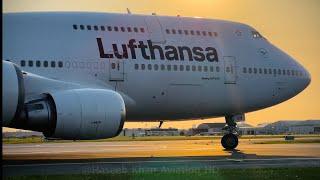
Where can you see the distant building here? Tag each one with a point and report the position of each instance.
(279, 127)
(22, 134)
(133, 132)
(209, 129)
(317, 130)
(292, 127)
(162, 132)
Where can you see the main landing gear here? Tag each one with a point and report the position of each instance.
(230, 140)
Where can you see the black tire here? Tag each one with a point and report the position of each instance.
(229, 141)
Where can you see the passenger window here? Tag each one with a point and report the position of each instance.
(149, 66)
(109, 28)
(274, 72)
(204, 33)
(211, 68)
(45, 63)
(186, 32)
(135, 29)
(255, 70)
(175, 67)
(187, 68)
(136, 66)
(82, 27)
(23, 63)
(279, 71)
(129, 29)
(228, 69)
(180, 31)
(193, 68)
(198, 33)
(163, 67)
(38, 63)
(192, 32)
(167, 31)
(30, 63)
(270, 71)
(156, 67)
(75, 27)
(88, 27)
(102, 28)
(116, 28)
(60, 64)
(96, 28)
(199, 68)
(292, 72)
(218, 69)
(244, 70)
(265, 71)
(260, 71)
(205, 68)
(210, 34)
(215, 34)
(284, 72)
(173, 31)
(123, 29)
(250, 70)
(181, 67)
(53, 64)
(142, 30)
(143, 66)
(169, 67)
(288, 72)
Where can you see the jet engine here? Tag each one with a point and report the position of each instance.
(66, 114)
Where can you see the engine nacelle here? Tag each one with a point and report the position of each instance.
(88, 114)
(12, 92)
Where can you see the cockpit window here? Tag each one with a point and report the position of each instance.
(256, 35)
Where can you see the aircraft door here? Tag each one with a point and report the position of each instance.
(230, 71)
(155, 29)
(116, 70)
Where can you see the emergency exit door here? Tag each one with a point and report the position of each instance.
(230, 70)
(116, 70)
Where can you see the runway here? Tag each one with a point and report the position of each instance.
(174, 148)
(95, 157)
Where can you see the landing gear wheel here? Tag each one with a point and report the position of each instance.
(229, 141)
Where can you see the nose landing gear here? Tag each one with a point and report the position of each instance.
(230, 140)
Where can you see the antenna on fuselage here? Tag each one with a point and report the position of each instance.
(128, 10)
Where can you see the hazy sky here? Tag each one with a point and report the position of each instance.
(292, 25)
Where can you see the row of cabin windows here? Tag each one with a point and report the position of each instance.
(272, 71)
(169, 67)
(192, 32)
(31, 63)
(109, 28)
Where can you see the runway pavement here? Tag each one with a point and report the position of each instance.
(93, 157)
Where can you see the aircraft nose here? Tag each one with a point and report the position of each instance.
(307, 79)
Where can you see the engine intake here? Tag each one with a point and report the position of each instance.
(12, 93)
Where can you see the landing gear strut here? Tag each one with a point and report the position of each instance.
(230, 140)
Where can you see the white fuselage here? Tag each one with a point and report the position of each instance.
(231, 69)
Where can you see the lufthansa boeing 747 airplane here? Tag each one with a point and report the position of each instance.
(82, 75)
